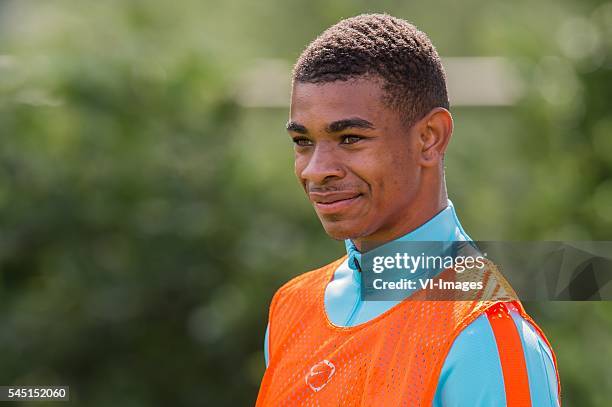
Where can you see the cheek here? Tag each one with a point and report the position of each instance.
(299, 163)
(380, 176)
(396, 178)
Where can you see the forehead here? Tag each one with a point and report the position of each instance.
(329, 101)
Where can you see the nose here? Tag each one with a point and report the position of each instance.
(322, 165)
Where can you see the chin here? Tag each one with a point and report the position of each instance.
(341, 230)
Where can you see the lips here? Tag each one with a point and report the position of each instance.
(331, 197)
(331, 202)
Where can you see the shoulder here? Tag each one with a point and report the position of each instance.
(494, 355)
(296, 299)
(304, 282)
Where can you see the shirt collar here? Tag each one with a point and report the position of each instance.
(444, 226)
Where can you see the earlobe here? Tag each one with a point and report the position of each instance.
(429, 155)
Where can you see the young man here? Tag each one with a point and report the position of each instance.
(370, 122)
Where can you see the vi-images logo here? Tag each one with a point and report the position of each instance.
(320, 374)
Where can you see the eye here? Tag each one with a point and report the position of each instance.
(350, 139)
(302, 141)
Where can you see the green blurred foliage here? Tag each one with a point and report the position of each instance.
(147, 217)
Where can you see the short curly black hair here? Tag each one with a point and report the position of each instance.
(384, 46)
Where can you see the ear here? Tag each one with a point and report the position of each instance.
(434, 133)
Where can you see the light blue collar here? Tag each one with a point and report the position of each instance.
(443, 227)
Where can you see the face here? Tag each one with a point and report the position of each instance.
(355, 159)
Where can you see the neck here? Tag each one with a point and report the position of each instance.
(425, 206)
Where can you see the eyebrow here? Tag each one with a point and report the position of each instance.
(295, 127)
(334, 127)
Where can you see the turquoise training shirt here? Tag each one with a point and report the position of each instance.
(472, 373)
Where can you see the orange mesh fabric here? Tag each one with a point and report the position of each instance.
(392, 360)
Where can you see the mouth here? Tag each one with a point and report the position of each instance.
(326, 204)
